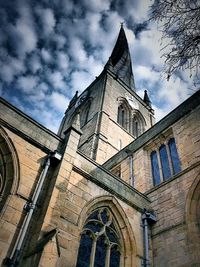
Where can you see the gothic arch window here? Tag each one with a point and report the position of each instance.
(130, 118)
(176, 167)
(155, 168)
(135, 127)
(124, 114)
(8, 168)
(100, 243)
(84, 115)
(165, 161)
(138, 124)
(121, 116)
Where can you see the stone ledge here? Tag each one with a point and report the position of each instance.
(30, 130)
(95, 173)
(178, 175)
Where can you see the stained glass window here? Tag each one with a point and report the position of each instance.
(114, 257)
(174, 156)
(164, 162)
(85, 250)
(99, 244)
(155, 168)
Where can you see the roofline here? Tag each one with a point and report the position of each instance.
(184, 108)
(21, 113)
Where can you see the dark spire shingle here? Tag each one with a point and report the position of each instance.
(121, 60)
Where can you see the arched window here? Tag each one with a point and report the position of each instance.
(155, 168)
(85, 114)
(8, 168)
(164, 162)
(130, 118)
(174, 156)
(138, 124)
(99, 244)
(135, 127)
(121, 116)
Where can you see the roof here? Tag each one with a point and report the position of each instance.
(120, 60)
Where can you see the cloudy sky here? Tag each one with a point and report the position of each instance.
(51, 48)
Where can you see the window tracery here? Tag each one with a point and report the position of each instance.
(99, 245)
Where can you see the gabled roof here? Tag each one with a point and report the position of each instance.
(120, 60)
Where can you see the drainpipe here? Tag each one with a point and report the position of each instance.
(130, 156)
(30, 207)
(148, 218)
(131, 170)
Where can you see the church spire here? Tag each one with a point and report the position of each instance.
(146, 98)
(121, 60)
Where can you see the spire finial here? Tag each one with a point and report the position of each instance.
(146, 98)
(122, 24)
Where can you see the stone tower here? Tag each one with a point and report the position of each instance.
(111, 113)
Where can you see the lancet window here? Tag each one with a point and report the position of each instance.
(165, 162)
(84, 115)
(122, 116)
(130, 119)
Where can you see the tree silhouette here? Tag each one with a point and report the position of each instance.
(180, 25)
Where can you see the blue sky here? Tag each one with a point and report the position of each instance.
(51, 48)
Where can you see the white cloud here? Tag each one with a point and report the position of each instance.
(80, 80)
(57, 80)
(7, 73)
(60, 40)
(27, 83)
(143, 72)
(58, 101)
(77, 50)
(139, 11)
(173, 91)
(62, 61)
(34, 63)
(46, 55)
(97, 5)
(146, 49)
(47, 20)
(24, 37)
(160, 112)
(12, 68)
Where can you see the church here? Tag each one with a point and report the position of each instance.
(111, 189)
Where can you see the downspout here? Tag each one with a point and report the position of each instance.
(148, 218)
(131, 170)
(30, 207)
(131, 175)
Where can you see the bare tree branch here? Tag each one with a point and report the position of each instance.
(180, 26)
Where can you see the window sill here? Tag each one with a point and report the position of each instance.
(174, 177)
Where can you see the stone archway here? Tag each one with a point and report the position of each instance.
(192, 217)
(9, 168)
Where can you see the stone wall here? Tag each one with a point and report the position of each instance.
(172, 245)
(26, 160)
